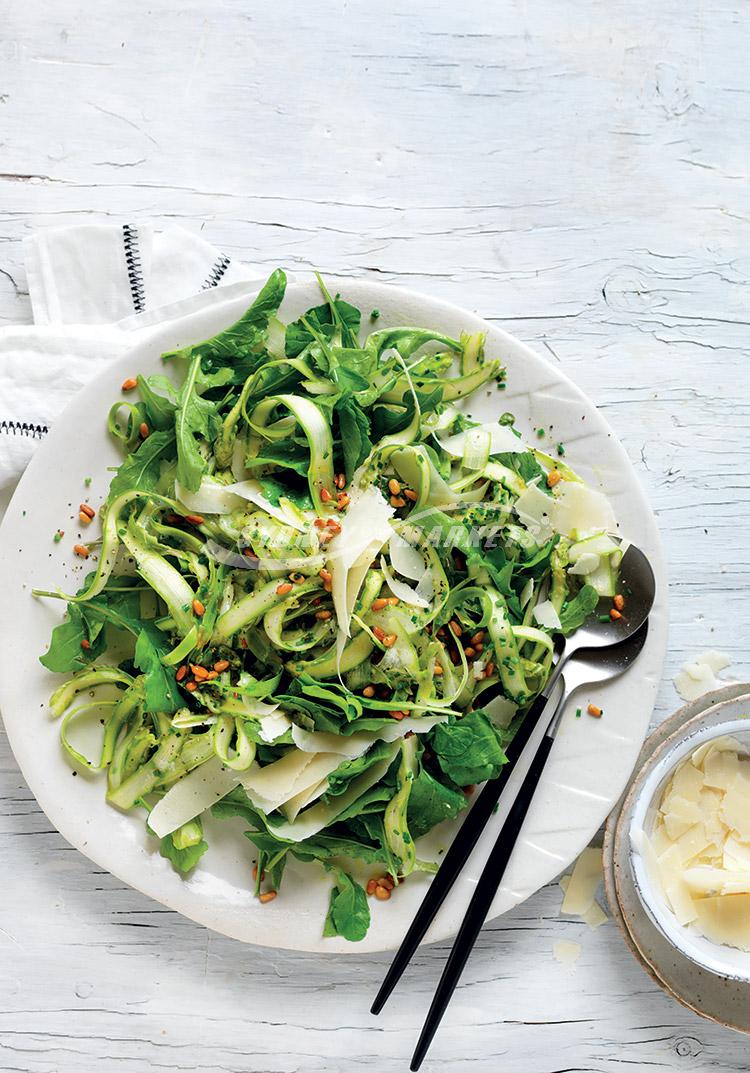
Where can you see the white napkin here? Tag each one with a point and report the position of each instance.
(96, 291)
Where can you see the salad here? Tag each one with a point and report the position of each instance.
(323, 595)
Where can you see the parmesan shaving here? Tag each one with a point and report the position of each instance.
(583, 883)
(566, 952)
(698, 676)
(191, 796)
(698, 851)
(502, 441)
(546, 615)
(365, 528)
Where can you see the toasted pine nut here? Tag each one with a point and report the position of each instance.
(438, 670)
(382, 893)
(181, 672)
(191, 687)
(333, 525)
(320, 523)
(87, 510)
(340, 480)
(328, 586)
(129, 384)
(221, 665)
(595, 711)
(489, 670)
(379, 604)
(323, 615)
(478, 647)
(614, 614)
(387, 882)
(198, 608)
(195, 519)
(368, 691)
(553, 477)
(325, 496)
(325, 536)
(267, 896)
(342, 500)
(619, 602)
(325, 575)
(377, 632)
(470, 652)
(389, 640)
(392, 600)
(455, 627)
(411, 495)
(212, 676)
(255, 873)
(83, 518)
(394, 487)
(397, 715)
(398, 501)
(284, 588)
(296, 579)
(143, 430)
(371, 885)
(85, 643)
(82, 550)
(199, 673)
(478, 637)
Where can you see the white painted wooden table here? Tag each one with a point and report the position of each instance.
(577, 171)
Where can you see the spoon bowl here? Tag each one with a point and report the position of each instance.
(638, 585)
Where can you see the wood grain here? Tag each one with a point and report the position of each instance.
(578, 173)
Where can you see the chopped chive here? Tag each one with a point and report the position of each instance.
(375, 314)
(603, 618)
(87, 481)
(578, 713)
(58, 536)
(560, 450)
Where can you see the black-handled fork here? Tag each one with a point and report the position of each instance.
(595, 635)
(459, 852)
(585, 670)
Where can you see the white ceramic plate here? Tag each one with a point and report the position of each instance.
(591, 761)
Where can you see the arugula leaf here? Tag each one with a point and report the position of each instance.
(158, 409)
(285, 453)
(183, 860)
(65, 652)
(352, 368)
(321, 847)
(431, 802)
(272, 856)
(240, 341)
(339, 780)
(237, 803)
(575, 612)
(161, 693)
(354, 427)
(468, 749)
(524, 464)
(372, 800)
(348, 912)
(142, 468)
(387, 420)
(195, 418)
(275, 491)
(321, 319)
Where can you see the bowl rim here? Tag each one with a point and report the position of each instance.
(639, 800)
